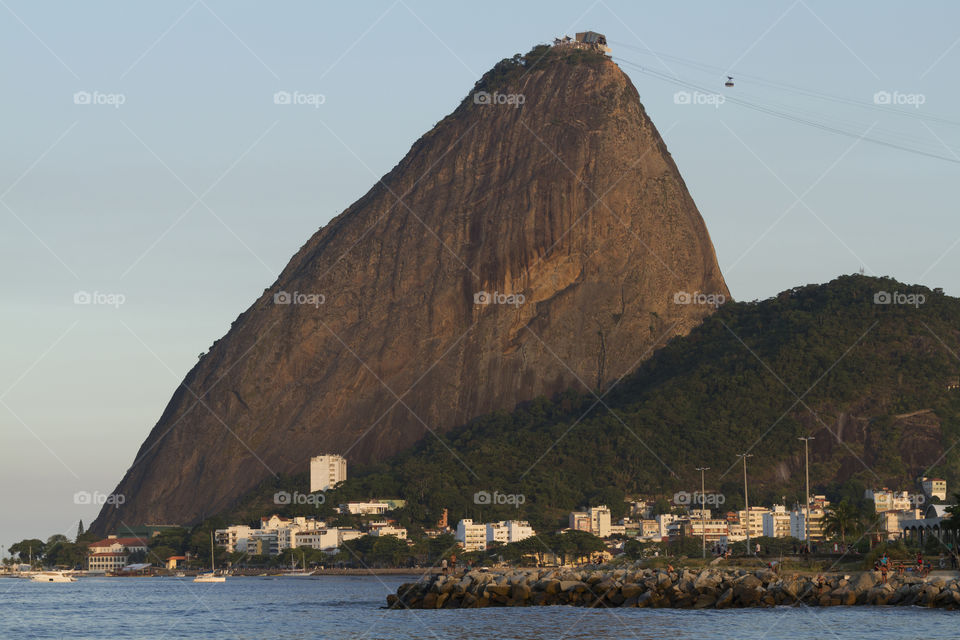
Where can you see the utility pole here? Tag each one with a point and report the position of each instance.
(746, 497)
(806, 500)
(703, 502)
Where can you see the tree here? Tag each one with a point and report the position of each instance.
(661, 506)
(79, 531)
(27, 548)
(841, 519)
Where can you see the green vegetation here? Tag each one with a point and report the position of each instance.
(732, 384)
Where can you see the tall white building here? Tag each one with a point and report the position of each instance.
(600, 521)
(327, 471)
(472, 537)
(776, 522)
(507, 531)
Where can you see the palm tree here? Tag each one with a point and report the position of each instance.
(842, 518)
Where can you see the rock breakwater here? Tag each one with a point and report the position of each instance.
(682, 589)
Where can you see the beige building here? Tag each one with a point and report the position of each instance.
(934, 487)
(717, 529)
(756, 520)
(327, 471)
(600, 521)
(798, 522)
(887, 500)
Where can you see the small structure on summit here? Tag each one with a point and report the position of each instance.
(584, 40)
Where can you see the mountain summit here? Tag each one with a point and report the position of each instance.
(537, 239)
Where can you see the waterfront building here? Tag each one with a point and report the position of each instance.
(507, 531)
(776, 522)
(472, 537)
(716, 529)
(755, 522)
(112, 553)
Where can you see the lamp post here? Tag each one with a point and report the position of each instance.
(703, 521)
(806, 517)
(746, 496)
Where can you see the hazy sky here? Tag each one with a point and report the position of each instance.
(181, 189)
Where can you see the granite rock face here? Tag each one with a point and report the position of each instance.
(567, 210)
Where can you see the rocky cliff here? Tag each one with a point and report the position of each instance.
(533, 241)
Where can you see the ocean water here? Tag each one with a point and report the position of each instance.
(351, 607)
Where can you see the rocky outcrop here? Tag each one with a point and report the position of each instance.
(568, 212)
(683, 589)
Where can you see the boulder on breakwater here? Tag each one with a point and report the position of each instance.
(708, 588)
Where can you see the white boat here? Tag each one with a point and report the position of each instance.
(293, 572)
(212, 575)
(209, 577)
(52, 576)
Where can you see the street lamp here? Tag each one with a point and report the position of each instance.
(746, 496)
(806, 517)
(703, 501)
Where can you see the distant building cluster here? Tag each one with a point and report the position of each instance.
(473, 536)
(277, 534)
(590, 40)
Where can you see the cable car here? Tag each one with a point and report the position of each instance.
(729, 82)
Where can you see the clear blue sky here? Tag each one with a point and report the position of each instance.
(188, 198)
